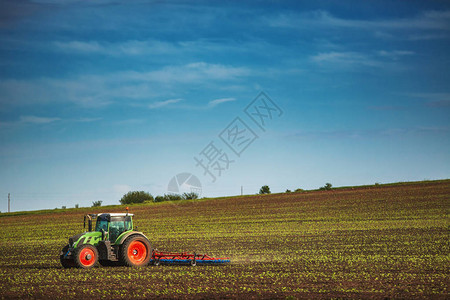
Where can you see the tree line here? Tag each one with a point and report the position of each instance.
(141, 196)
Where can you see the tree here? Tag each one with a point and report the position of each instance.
(326, 187)
(264, 189)
(97, 203)
(191, 195)
(77, 206)
(158, 199)
(299, 190)
(136, 197)
(175, 197)
(172, 197)
(288, 191)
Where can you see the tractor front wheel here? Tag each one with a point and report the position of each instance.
(136, 251)
(86, 256)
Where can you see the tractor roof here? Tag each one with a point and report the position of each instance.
(116, 214)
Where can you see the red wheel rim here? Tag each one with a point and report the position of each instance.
(87, 257)
(137, 252)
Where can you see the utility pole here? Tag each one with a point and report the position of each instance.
(9, 202)
(242, 190)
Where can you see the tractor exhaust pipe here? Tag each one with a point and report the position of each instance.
(89, 222)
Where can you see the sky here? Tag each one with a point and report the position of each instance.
(98, 98)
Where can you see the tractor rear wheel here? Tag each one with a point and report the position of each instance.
(66, 263)
(136, 251)
(86, 256)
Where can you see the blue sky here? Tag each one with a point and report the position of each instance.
(104, 97)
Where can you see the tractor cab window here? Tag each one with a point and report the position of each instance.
(117, 226)
(128, 224)
(102, 223)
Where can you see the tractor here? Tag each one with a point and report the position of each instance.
(113, 241)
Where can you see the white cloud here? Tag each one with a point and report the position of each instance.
(159, 104)
(394, 55)
(164, 50)
(130, 122)
(217, 71)
(37, 120)
(198, 72)
(89, 91)
(80, 46)
(216, 102)
(87, 120)
(190, 73)
(439, 20)
(350, 59)
(345, 59)
(131, 47)
(102, 90)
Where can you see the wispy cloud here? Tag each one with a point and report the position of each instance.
(216, 102)
(130, 122)
(37, 120)
(160, 104)
(28, 120)
(131, 47)
(197, 72)
(396, 54)
(80, 46)
(88, 91)
(86, 120)
(342, 59)
(161, 51)
(439, 20)
(351, 59)
(103, 90)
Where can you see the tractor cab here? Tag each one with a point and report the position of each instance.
(111, 225)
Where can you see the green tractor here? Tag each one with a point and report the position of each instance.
(113, 241)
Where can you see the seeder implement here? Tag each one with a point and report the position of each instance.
(160, 257)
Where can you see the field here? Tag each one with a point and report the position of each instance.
(367, 242)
